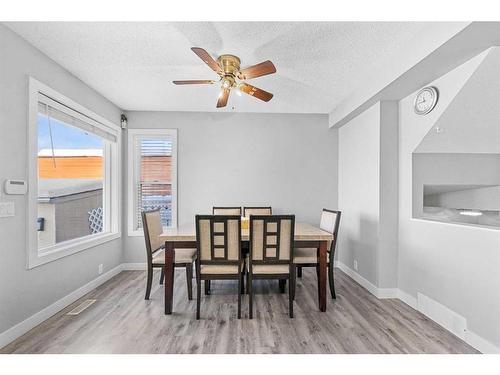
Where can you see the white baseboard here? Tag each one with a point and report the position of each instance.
(384, 293)
(21, 328)
(448, 319)
(134, 266)
(380, 293)
(442, 315)
(408, 299)
(477, 342)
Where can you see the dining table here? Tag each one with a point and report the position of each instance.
(184, 237)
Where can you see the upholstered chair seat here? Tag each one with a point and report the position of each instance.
(307, 256)
(220, 269)
(275, 269)
(182, 256)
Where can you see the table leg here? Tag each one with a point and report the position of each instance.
(169, 276)
(322, 275)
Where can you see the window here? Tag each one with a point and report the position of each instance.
(74, 169)
(152, 176)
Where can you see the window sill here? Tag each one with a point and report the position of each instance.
(68, 248)
(456, 224)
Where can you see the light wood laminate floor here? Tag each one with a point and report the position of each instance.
(121, 321)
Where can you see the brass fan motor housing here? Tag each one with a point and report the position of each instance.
(227, 67)
(230, 64)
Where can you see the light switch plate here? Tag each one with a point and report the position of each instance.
(7, 209)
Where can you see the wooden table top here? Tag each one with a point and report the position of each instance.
(303, 232)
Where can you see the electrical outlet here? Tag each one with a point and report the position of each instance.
(355, 265)
(7, 209)
(100, 268)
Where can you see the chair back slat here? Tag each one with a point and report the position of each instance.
(226, 211)
(271, 239)
(247, 211)
(218, 239)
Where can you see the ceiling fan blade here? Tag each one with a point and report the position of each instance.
(223, 97)
(205, 56)
(255, 91)
(194, 82)
(259, 70)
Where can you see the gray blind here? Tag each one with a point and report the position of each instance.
(68, 116)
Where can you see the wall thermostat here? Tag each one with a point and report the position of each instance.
(16, 187)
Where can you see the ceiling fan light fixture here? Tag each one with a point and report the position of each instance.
(228, 69)
(226, 84)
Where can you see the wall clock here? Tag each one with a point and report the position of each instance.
(426, 100)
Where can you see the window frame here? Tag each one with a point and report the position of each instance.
(111, 201)
(133, 167)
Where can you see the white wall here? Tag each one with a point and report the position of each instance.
(368, 194)
(25, 292)
(470, 123)
(359, 192)
(454, 265)
(288, 161)
(387, 264)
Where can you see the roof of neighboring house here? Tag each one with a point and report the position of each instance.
(55, 187)
(47, 152)
(70, 164)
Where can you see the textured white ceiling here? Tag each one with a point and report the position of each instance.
(133, 63)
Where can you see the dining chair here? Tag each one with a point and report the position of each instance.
(247, 211)
(308, 257)
(226, 211)
(222, 211)
(271, 253)
(155, 252)
(218, 245)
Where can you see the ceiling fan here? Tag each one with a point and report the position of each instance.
(228, 68)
